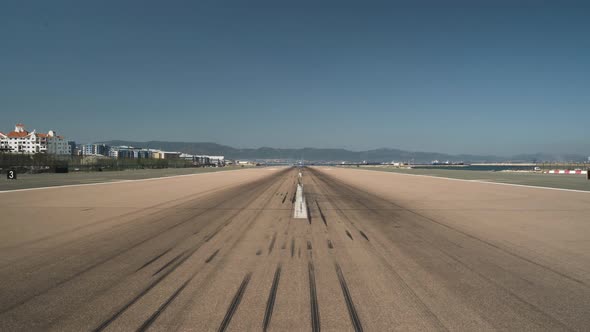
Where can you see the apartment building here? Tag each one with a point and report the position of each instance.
(95, 149)
(22, 141)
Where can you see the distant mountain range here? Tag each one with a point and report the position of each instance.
(319, 154)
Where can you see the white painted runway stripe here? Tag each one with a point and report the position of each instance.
(482, 181)
(300, 209)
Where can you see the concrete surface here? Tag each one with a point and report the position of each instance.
(381, 252)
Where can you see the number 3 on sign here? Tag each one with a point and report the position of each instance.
(11, 175)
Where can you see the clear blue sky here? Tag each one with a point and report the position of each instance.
(464, 77)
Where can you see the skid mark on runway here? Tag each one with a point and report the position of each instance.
(161, 309)
(120, 308)
(321, 213)
(149, 287)
(308, 245)
(354, 318)
(308, 211)
(349, 235)
(272, 243)
(153, 259)
(292, 247)
(231, 310)
(98, 263)
(271, 298)
(169, 263)
(313, 297)
(364, 235)
(499, 248)
(210, 258)
(330, 245)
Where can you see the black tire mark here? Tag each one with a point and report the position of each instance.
(149, 287)
(215, 232)
(457, 260)
(154, 259)
(349, 235)
(210, 258)
(354, 318)
(258, 252)
(284, 198)
(154, 207)
(293, 199)
(272, 243)
(169, 263)
(386, 263)
(500, 248)
(354, 190)
(284, 246)
(201, 212)
(271, 299)
(507, 290)
(231, 310)
(292, 247)
(308, 211)
(313, 297)
(308, 245)
(321, 213)
(330, 245)
(153, 284)
(364, 235)
(163, 307)
(299, 253)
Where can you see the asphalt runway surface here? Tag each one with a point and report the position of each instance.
(221, 252)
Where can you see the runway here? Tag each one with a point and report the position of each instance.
(221, 252)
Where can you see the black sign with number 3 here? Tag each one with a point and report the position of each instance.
(11, 175)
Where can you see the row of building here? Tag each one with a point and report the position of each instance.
(130, 152)
(21, 141)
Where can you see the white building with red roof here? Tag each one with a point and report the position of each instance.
(22, 141)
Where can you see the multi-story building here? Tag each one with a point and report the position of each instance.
(195, 159)
(217, 160)
(129, 152)
(204, 160)
(87, 149)
(101, 149)
(72, 145)
(95, 149)
(21, 141)
(157, 154)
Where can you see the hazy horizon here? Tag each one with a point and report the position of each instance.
(497, 78)
(351, 149)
